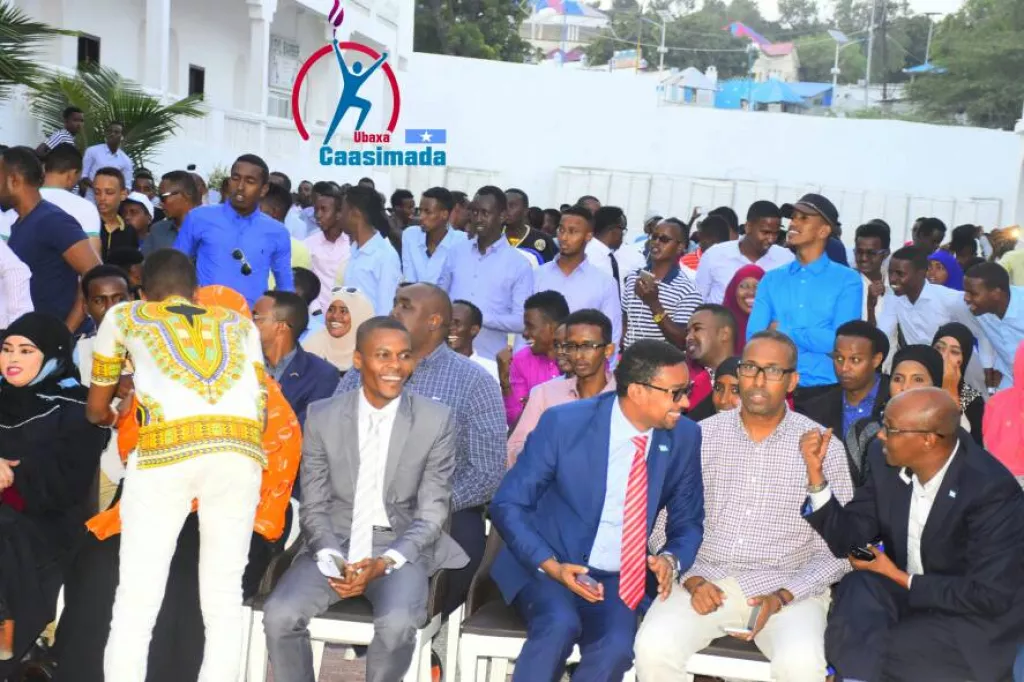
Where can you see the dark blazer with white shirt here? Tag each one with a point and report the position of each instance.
(972, 548)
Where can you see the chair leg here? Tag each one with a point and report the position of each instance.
(412, 674)
(451, 653)
(318, 655)
(499, 670)
(466, 671)
(257, 649)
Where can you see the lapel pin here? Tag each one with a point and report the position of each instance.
(663, 448)
(952, 494)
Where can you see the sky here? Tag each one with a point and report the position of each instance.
(770, 9)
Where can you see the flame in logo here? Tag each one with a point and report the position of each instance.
(337, 15)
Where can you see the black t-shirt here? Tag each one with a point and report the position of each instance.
(40, 240)
(541, 243)
(125, 238)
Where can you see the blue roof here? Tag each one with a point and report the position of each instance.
(774, 91)
(927, 67)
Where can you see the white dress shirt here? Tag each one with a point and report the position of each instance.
(15, 296)
(380, 459)
(490, 365)
(880, 303)
(719, 264)
(629, 259)
(922, 499)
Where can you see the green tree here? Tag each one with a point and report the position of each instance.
(799, 15)
(982, 46)
(105, 96)
(817, 56)
(483, 29)
(20, 40)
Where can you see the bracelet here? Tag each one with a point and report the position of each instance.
(781, 597)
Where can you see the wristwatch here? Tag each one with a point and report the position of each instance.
(812, 489)
(389, 565)
(674, 561)
(658, 318)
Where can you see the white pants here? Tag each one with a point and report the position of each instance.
(793, 639)
(154, 505)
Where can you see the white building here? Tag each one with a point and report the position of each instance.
(241, 54)
(778, 61)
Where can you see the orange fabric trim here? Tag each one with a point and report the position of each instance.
(282, 443)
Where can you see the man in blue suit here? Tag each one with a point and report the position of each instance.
(577, 509)
(281, 317)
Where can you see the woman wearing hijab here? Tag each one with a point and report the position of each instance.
(49, 455)
(176, 651)
(1003, 424)
(913, 366)
(944, 269)
(739, 299)
(337, 342)
(955, 343)
(725, 392)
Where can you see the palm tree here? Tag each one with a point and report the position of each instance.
(20, 39)
(105, 96)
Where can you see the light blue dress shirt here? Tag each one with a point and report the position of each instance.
(210, 235)
(375, 269)
(585, 287)
(417, 266)
(809, 302)
(498, 282)
(1005, 334)
(606, 554)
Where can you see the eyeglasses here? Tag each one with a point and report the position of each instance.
(676, 394)
(893, 431)
(239, 256)
(347, 290)
(166, 195)
(869, 253)
(662, 239)
(571, 348)
(771, 373)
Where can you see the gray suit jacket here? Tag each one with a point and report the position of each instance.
(417, 482)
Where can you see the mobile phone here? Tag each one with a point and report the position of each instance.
(864, 553)
(751, 623)
(340, 563)
(646, 274)
(588, 582)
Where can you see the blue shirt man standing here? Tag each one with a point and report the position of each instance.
(235, 244)
(811, 297)
(373, 266)
(999, 309)
(487, 272)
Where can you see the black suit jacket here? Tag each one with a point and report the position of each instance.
(827, 410)
(972, 548)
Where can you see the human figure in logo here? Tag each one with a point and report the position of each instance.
(352, 80)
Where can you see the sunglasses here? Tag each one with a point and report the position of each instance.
(347, 290)
(676, 394)
(238, 255)
(662, 239)
(167, 195)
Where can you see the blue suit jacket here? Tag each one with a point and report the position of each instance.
(550, 503)
(307, 379)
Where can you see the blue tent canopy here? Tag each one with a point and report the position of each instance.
(774, 91)
(927, 67)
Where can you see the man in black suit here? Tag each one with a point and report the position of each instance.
(937, 602)
(858, 354)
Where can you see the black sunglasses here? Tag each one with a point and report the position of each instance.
(676, 394)
(239, 256)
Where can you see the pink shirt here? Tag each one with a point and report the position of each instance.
(527, 370)
(328, 258)
(555, 392)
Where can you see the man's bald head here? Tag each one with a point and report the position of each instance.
(426, 311)
(920, 430)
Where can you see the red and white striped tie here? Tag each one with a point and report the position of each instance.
(633, 569)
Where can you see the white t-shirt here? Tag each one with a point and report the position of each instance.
(720, 263)
(83, 211)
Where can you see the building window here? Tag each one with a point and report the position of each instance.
(88, 49)
(196, 80)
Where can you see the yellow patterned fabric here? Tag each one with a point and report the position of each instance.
(174, 441)
(106, 371)
(204, 352)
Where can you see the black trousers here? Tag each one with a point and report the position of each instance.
(469, 531)
(874, 636)
(808, 394)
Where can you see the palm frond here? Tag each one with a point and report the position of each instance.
(20, 41)
(105, 96)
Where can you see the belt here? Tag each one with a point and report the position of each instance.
(382, 529)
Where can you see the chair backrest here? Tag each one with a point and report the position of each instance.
(482, 589)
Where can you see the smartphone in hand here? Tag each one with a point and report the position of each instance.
(751, 623)
(588, 582)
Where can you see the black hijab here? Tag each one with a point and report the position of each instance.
(929, 358)
(964, 337)
(57, 378)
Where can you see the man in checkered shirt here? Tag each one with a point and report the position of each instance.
(757, 549)
(74, 119)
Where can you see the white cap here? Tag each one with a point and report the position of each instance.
(140, 198)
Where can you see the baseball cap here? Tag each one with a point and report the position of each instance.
(816, 204)
(142, 200)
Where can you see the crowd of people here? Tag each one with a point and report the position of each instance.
(710, 428)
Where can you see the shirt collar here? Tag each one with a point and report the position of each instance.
(372, 244)
(936, 481)
(621, 425)
(500, 244)
(672, 274)
(366, 409)
(117, 228)
(869, 399)
(285, 361)
(815, 267)
(235, 215)
(599, 246)
(435, 355)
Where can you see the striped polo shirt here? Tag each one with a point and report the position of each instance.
(678, 295)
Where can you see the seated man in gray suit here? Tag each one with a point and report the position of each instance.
(376, 469)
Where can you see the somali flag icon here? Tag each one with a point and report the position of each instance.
(426, 136)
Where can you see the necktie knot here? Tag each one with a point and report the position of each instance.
(640, 442)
